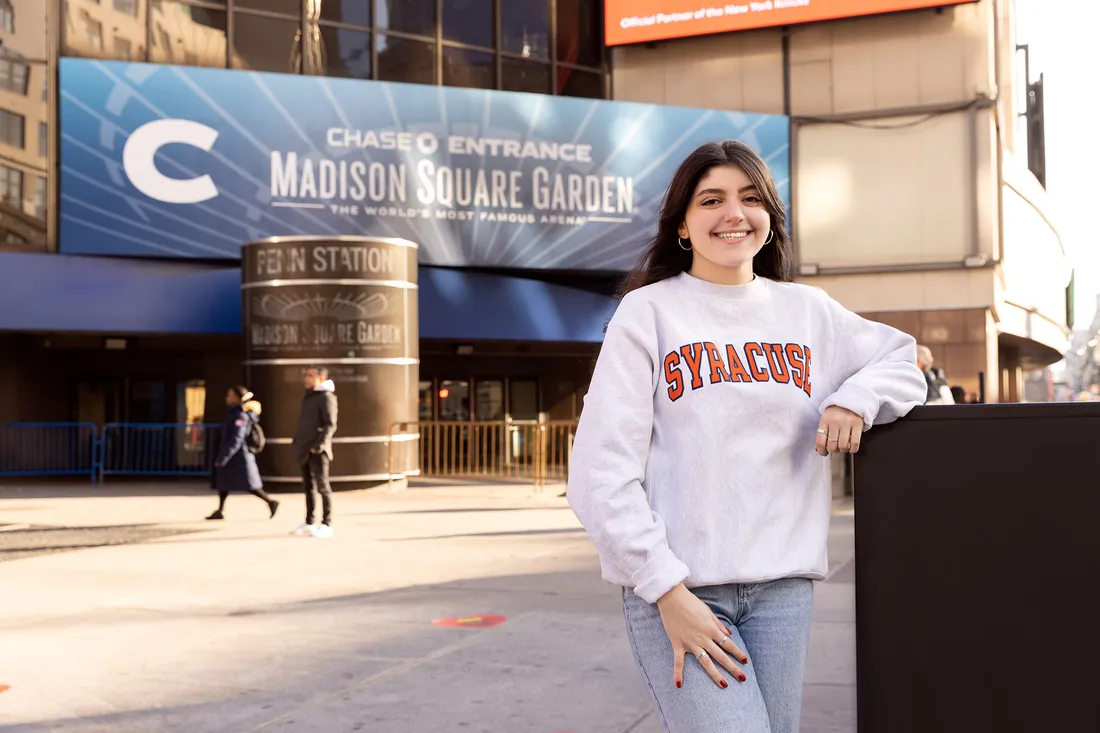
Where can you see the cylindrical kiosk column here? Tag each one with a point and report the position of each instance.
(348, 304)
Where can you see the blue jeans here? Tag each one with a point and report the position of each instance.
(770, 622)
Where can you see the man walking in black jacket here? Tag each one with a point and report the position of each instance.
(313, 446)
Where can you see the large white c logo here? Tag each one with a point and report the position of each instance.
(142, 147)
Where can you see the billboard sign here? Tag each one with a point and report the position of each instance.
(638, 21)
(173, 161)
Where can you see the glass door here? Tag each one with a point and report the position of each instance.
(489, 400)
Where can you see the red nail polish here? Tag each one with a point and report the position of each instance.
(724, 684)
(745, 660)
(741, 677)
(678, 683)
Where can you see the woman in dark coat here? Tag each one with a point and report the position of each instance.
(235, 466)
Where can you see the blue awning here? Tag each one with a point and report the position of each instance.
(455, 304)
(49, 292)
(64, 293)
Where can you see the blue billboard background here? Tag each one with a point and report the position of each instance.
(476, 178)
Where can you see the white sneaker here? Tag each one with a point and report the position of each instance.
(303, 530)
(321, 531)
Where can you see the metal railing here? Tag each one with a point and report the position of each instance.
(532, 450)
(158, 449)
(49, 449)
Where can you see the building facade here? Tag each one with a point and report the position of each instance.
(894, 137)
(912, 199)
(101, 351)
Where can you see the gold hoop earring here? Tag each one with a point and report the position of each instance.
(681, 243)
(771, 237)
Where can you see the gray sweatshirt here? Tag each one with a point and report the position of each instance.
(694, 458)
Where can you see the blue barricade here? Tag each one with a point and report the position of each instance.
(48, 449)
(158, 449)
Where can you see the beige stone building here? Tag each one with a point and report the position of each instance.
(912, 202)
(24, 124)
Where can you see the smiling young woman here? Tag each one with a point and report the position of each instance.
(698, 465)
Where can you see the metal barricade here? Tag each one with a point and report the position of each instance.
(529, 450)
(48, 449)
(534, 450)
(158, 449)
(557, 445)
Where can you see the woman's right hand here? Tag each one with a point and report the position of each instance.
(693, 628)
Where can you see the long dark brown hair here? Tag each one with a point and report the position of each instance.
(664, 258)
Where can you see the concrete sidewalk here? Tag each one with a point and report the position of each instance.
(238, 627)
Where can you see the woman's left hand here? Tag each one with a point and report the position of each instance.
(839, 431)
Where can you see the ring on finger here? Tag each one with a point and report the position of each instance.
(701, 655)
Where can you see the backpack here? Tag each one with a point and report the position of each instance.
(255, 440)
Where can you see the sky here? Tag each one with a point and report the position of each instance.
(1060, 41)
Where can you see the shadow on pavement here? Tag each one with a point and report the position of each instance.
(30, 488)
(518, 533)
(370, 662)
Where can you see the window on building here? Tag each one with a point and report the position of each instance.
(469, 22)
(261, 43)
(93, 33)
(13, 76)
(467, 68)
(12, 128)
(579, 37)
(39, 198)
(537, 46)
(7, 16)
(123, 48)
(282, 7)
(82, 31)
(403, 59)
(406, 16)
(11, 186)
(345, 53)
(349, 12)
(187, 34)
(525, 29)
(454, 400)
(525, 76)
(43, 139)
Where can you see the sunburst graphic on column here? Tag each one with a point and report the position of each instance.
(305, 307)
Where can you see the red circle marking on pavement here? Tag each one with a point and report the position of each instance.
(471, 622)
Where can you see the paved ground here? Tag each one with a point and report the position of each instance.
(143, 619)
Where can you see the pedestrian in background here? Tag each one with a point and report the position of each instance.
(313, 446)
(697, 467)
(235, 465)
(937, 392)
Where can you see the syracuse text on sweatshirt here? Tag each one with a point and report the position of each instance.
(694, 458)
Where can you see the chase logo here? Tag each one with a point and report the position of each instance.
(141, 149)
